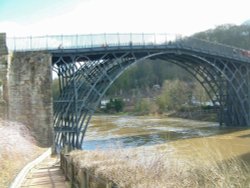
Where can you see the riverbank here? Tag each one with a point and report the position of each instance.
(163, 166)
(17, 148)
(199, 115)
(208, 115)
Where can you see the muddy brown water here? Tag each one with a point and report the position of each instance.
(187, 137)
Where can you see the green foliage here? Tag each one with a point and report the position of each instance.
(115, 105)
(199, 93)
(55, 88)
(142, 106)
(145, 75)
(174, 94)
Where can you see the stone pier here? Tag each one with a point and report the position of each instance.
(3, 77)
(25, 91)
(30, 96)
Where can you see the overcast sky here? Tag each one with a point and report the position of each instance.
(42, 17)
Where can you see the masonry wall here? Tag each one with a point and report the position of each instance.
(29, 93)
(3, 87)
(3, 76)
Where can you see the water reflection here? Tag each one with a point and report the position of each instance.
(114, 131)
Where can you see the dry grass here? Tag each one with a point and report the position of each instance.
(145, 168)
(17, 148)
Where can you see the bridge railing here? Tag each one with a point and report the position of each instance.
(53, 42)
(207, 46)
(214, 48)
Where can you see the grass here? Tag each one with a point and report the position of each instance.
(17, 148)
(147, 168)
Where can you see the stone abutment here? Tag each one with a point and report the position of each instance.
(25, 91)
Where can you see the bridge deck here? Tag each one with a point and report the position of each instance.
(102, 43)
(46, 174)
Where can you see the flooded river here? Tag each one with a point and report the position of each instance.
(186, 137)
(133, 131)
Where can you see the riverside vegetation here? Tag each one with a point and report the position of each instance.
(160, 166)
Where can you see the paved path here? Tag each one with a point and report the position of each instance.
(47, 174)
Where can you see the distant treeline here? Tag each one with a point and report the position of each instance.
(233, 35)
(142, 77)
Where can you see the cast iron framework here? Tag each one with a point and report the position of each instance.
(86, 74)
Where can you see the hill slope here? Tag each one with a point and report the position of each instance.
(233, 35)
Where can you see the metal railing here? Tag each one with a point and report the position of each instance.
(53, 42)
(216, 49)
(59, 42)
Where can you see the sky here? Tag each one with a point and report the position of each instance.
(185, 17)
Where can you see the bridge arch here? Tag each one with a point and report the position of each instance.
(87, 65)
(85, 78)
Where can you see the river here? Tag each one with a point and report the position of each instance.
(183, 135)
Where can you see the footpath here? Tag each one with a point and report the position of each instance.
(47, 174)
(43, 172)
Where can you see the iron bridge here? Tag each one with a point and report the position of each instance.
(87, 65)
